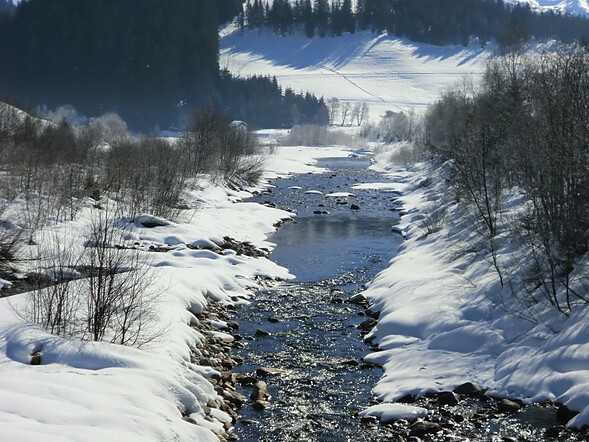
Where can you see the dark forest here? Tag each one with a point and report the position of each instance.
(439, 22)
(153, 62)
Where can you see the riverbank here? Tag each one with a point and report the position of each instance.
(66, 389)
(445, 319)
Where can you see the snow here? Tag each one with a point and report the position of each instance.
(387, 73)
(340, 195)
(393, 412)
(98, 391)
(395, 187)
(300, 159)
(445, 320)
(574, 7)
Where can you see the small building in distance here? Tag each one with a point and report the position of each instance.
(239, 125)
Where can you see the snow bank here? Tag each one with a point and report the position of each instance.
(300, 159)
(446, 320)
(100, 391)
(394, 412)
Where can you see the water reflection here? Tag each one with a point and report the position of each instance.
(317, 248)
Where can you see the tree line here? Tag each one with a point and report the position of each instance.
(439, 22)
(261, 100)
(6, 7)
(150, 61)
(525, 129)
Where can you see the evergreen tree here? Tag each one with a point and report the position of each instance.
(322, 13)
(308, 19)
(348, 19)
(364, 14)
(432, 21)
(337, 23)
(297, 16)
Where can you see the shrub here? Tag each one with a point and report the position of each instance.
(211, 145)
(102, 292)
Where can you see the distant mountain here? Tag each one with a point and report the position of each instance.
(568, 6)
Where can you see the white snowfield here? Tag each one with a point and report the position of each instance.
(387, 73)
(99, 391)
(445, 319)
(574, 7)
(95, 391)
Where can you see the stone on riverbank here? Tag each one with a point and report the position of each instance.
(508, 406)
(422, 428)
(468, 388)
(262, 333)
(265, 371)
(565, 414)
(447, 398)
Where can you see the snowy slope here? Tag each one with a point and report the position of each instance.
(445, 319)
(387, 73)
(568, 6)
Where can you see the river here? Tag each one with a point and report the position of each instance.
(309, 331)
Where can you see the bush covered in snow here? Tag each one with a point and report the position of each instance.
(525, 129)
(52, 172)
(211, 145)
(317, 135)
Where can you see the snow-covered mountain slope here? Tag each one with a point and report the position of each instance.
(387, 73)
(569, 6)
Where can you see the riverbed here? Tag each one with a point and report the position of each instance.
(310, 334)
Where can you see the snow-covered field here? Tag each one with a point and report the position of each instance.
(387, 73)
(100, 391)
(445, 319)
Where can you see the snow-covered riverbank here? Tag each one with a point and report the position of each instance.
(100, 391)
(446, 320)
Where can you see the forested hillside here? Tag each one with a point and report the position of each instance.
(150, 61)
(6, 6)
(439, 22)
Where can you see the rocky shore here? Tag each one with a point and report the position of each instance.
(457, 414)
(221, 337)
(451, 415)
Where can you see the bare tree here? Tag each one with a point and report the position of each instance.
(364, 114)
(526, 126)
(460, 127)
(355, 116)
(345, 112)
(54, 303)
(101, 292)
(119, 304)
(211, 145)
(333, 106)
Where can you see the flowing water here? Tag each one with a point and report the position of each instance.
(314, 339)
